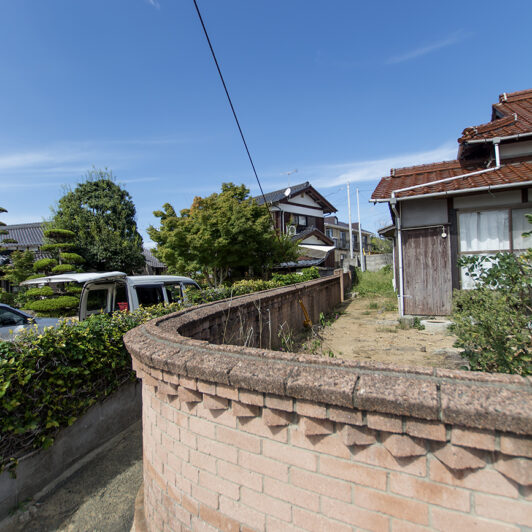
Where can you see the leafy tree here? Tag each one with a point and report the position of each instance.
(223, 232)
(381, 245)
(58, 242)
(20, 268)
(4, 231)
(101, 214)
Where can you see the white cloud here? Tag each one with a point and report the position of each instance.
(454, 38)
(327, 176)
(154, 3)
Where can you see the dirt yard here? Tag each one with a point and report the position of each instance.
(367, 330)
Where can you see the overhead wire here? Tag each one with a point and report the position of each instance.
(232, 108)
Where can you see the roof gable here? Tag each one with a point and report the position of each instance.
(284, 195)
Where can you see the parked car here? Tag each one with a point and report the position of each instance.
(13, 321)
(110, 291)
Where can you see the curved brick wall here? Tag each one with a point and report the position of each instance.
(242, 438)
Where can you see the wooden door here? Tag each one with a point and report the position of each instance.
(427, 272)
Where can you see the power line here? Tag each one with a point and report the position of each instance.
(232, 108)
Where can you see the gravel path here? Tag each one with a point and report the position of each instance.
(98, 498)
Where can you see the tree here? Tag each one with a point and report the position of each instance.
(101, 214)
(219, 234)
(4, 231)
(381, 245)
(58, 243)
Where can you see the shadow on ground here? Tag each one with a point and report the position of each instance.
(98, 497)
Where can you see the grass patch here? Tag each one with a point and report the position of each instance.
(373, 305)
(375, 283)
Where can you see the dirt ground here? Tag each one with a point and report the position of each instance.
(367, 330)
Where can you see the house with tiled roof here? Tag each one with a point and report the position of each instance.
(473, 205)
(339, 232)
(299, 211)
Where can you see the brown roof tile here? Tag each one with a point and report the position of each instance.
(511, 116)
(518, 172)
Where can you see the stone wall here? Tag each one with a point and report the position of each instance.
(241, 438)
(376, 262)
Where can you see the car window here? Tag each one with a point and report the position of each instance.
(149, 295)
(97, 300)
(10, 318)
(173, 292)
(121, 301)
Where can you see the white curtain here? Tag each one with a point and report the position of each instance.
(483, 231)
(520, 225)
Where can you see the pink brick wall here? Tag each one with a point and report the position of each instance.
(240, 439)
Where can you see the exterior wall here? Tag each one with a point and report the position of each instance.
(243, 439)
(376, 262)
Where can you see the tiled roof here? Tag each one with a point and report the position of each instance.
(25, 234)
(511, 116)
(508, 174)
(333, 220)
(279, 195)
(311, 230)
(151, 260)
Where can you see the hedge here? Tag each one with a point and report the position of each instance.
(48, 306)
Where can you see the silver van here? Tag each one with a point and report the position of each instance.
(110, 291)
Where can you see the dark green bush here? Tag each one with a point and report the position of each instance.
(49, 379)
(6, 297)
(43, 291)
(52, 306)
(72, 258)
(493, 322)
(44, 265)
(63, 268)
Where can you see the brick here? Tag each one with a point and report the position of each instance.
(189, 505)
(331, 444)
(202, 427)
(222, 390)
(518, 513)
(190, 472)
(205, 496)
(346, 415)
(356, 473)
(166, 388)
(484, 480)
(516, 445)
(352, 515)
(216, 416)
(202, 461)
(292, 494)
(276, 418)
(279, 403)
(171, 378)
(357, 435)
(189, 396)
(207, 387)
(263, 466)
(317, 523)
(156, 373)
(189, 439)
(311, 409)
(429, 430)
(212, 402)
(406, 526)
(218, 520)
(219, 485)
(243, 514)
(446, 520)
(475, 438)
(197, 525)
(315, 427)
(187, 382)
(516, 469)
(399, 507)
(238, 439)
(218, 449)
(148, 380)
(431, 492)
(242, 410)
(336, 489)
(458, 458)
(251, 398)
(276, 525)
(402, 446)
(385, 422)
(240, 476)
(379, 456)
(256, 426)
(265, 504)
(290, 455)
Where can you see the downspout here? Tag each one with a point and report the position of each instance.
(393, 204)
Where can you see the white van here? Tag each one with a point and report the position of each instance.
(110, 291)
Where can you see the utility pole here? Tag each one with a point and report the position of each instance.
(350, 228)
(362, 261)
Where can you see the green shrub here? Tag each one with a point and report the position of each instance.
(493, 321)
(53, 306)
(72, 258)
(6, 297)
(44, 265)
(49, 379)
(44, 291)
(63, 268)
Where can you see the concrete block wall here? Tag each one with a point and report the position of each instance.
(239, 438)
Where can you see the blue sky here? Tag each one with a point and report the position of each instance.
(340, 90)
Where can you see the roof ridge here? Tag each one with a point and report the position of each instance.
(515, 96)
(418, 168)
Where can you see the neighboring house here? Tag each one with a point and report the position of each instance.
(475, 204)
(299, 212)
(339, 233)
(30, 237)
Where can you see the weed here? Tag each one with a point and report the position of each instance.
(366, 312)
(373, 305)
(417, 324)
(387, 329)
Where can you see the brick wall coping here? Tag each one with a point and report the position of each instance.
(471, 399)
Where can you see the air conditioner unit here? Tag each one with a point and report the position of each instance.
(291, 230)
